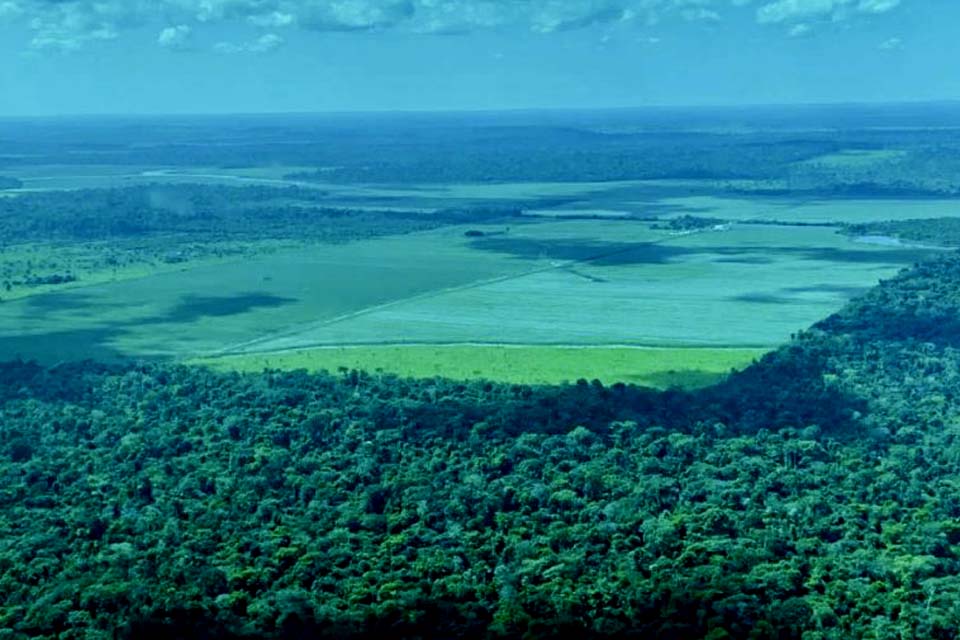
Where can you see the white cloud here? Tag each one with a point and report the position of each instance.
(892, 44)
(565, 16)
(264, 44)
(700, 14)
(878, 6)
(355, 15)
(10, 9)
(799, 30)
(802, 10)
(274, 19)
(174, 37)
(71, 24)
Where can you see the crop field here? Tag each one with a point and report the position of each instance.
(856, 158)
(819, 211)
(651, 367)
(211, 306)
(749, 286)
(529, 300)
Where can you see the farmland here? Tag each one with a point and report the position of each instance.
(595, 246)
(514, 300)
(620, 283)
(541, 364)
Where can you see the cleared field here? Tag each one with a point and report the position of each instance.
(85, 261)
(809, 211)
(566, 283)
(651, 367)
(749, 286)
(208, 307)
(855, 158)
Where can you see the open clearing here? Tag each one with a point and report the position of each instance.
(545, 286)
(651, 367)
(749, 286)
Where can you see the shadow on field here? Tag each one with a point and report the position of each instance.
(67, 345)
(68, 302)
(846, 290)
(51, 339)
(765, 298)
(789, 294)
(689, 379)
(605, 253)
(191, 308)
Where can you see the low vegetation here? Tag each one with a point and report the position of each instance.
(660, 368)
(63, 237)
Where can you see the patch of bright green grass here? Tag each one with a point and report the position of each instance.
(653, 367)
(855, 158)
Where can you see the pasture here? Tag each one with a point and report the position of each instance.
(652, 367)
(547, 298)
(623, 283)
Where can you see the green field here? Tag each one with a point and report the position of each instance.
(548, 286)
(813, 210)
(208, 307)
(622, 283)
(856, 158)
(652, 367)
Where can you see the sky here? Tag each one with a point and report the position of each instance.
(64, 57)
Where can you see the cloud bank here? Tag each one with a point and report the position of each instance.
(72, 24)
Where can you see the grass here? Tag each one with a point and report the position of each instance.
(750, 286)
(86, 261)
(652, 367)
(821, 211)
(569, 282)
(205, 308)
(855, 158)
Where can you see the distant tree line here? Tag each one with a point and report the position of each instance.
(944, 232)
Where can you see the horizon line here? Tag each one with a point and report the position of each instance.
(503, 110)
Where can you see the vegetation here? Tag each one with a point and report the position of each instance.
(96, 235)
(688, 223)
(811, 495)
(944, 232)
(660, 368)
(204, 212)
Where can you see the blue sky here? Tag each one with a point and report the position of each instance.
(223, 56)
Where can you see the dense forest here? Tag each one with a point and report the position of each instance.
(811, 496)
(202, 212)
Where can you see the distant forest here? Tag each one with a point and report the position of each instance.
(812, 495)
(862, 152)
